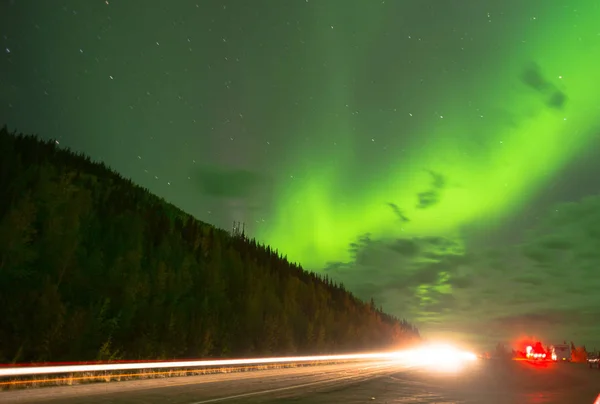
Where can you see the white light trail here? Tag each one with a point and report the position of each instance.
(440, 357)
(39, 370)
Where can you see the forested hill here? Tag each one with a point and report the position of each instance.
(95, 267)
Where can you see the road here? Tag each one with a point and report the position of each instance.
(483, 381)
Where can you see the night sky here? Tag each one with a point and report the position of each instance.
(440, 156)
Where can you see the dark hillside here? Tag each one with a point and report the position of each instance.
(94, 267)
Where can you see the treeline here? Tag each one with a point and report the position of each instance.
(579, 353)
(93, 267)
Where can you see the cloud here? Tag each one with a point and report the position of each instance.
(428, 199)
(550, 283)
(533, 77)
(557, 100)
(229, 183)
(550, 324)
(415, 273)
(405, 247)
(547, 285)
(398, 212)
(433, 195)
(461, 282)
(536, 320)
(568, 239)
(529, 280)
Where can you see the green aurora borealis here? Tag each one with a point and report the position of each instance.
(491, 165)
(410, 149)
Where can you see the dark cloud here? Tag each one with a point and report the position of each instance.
(433, 195)
(405, 247)
(547, 318)
(398, 212)
(461, 282)
(533, 77)
(428, 274)
(569, 235)
(529, 280)
(360, 245)
(441, 243)
(556, 243)
(229, 183)
(428, 199)
(495, 259)
(414, 274)
(565, 246)
(439, 302)
(439, 182)
(549, 325)
(537, 254)
(334, 266)
(549, 284)
(546, 286)
(557, 100)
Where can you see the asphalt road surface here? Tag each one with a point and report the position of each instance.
(483, 381)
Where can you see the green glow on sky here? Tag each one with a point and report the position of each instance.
(496, 145)
(315, 122)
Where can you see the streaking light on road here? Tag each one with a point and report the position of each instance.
(441, 357)
(39, 370)
(437, 357)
